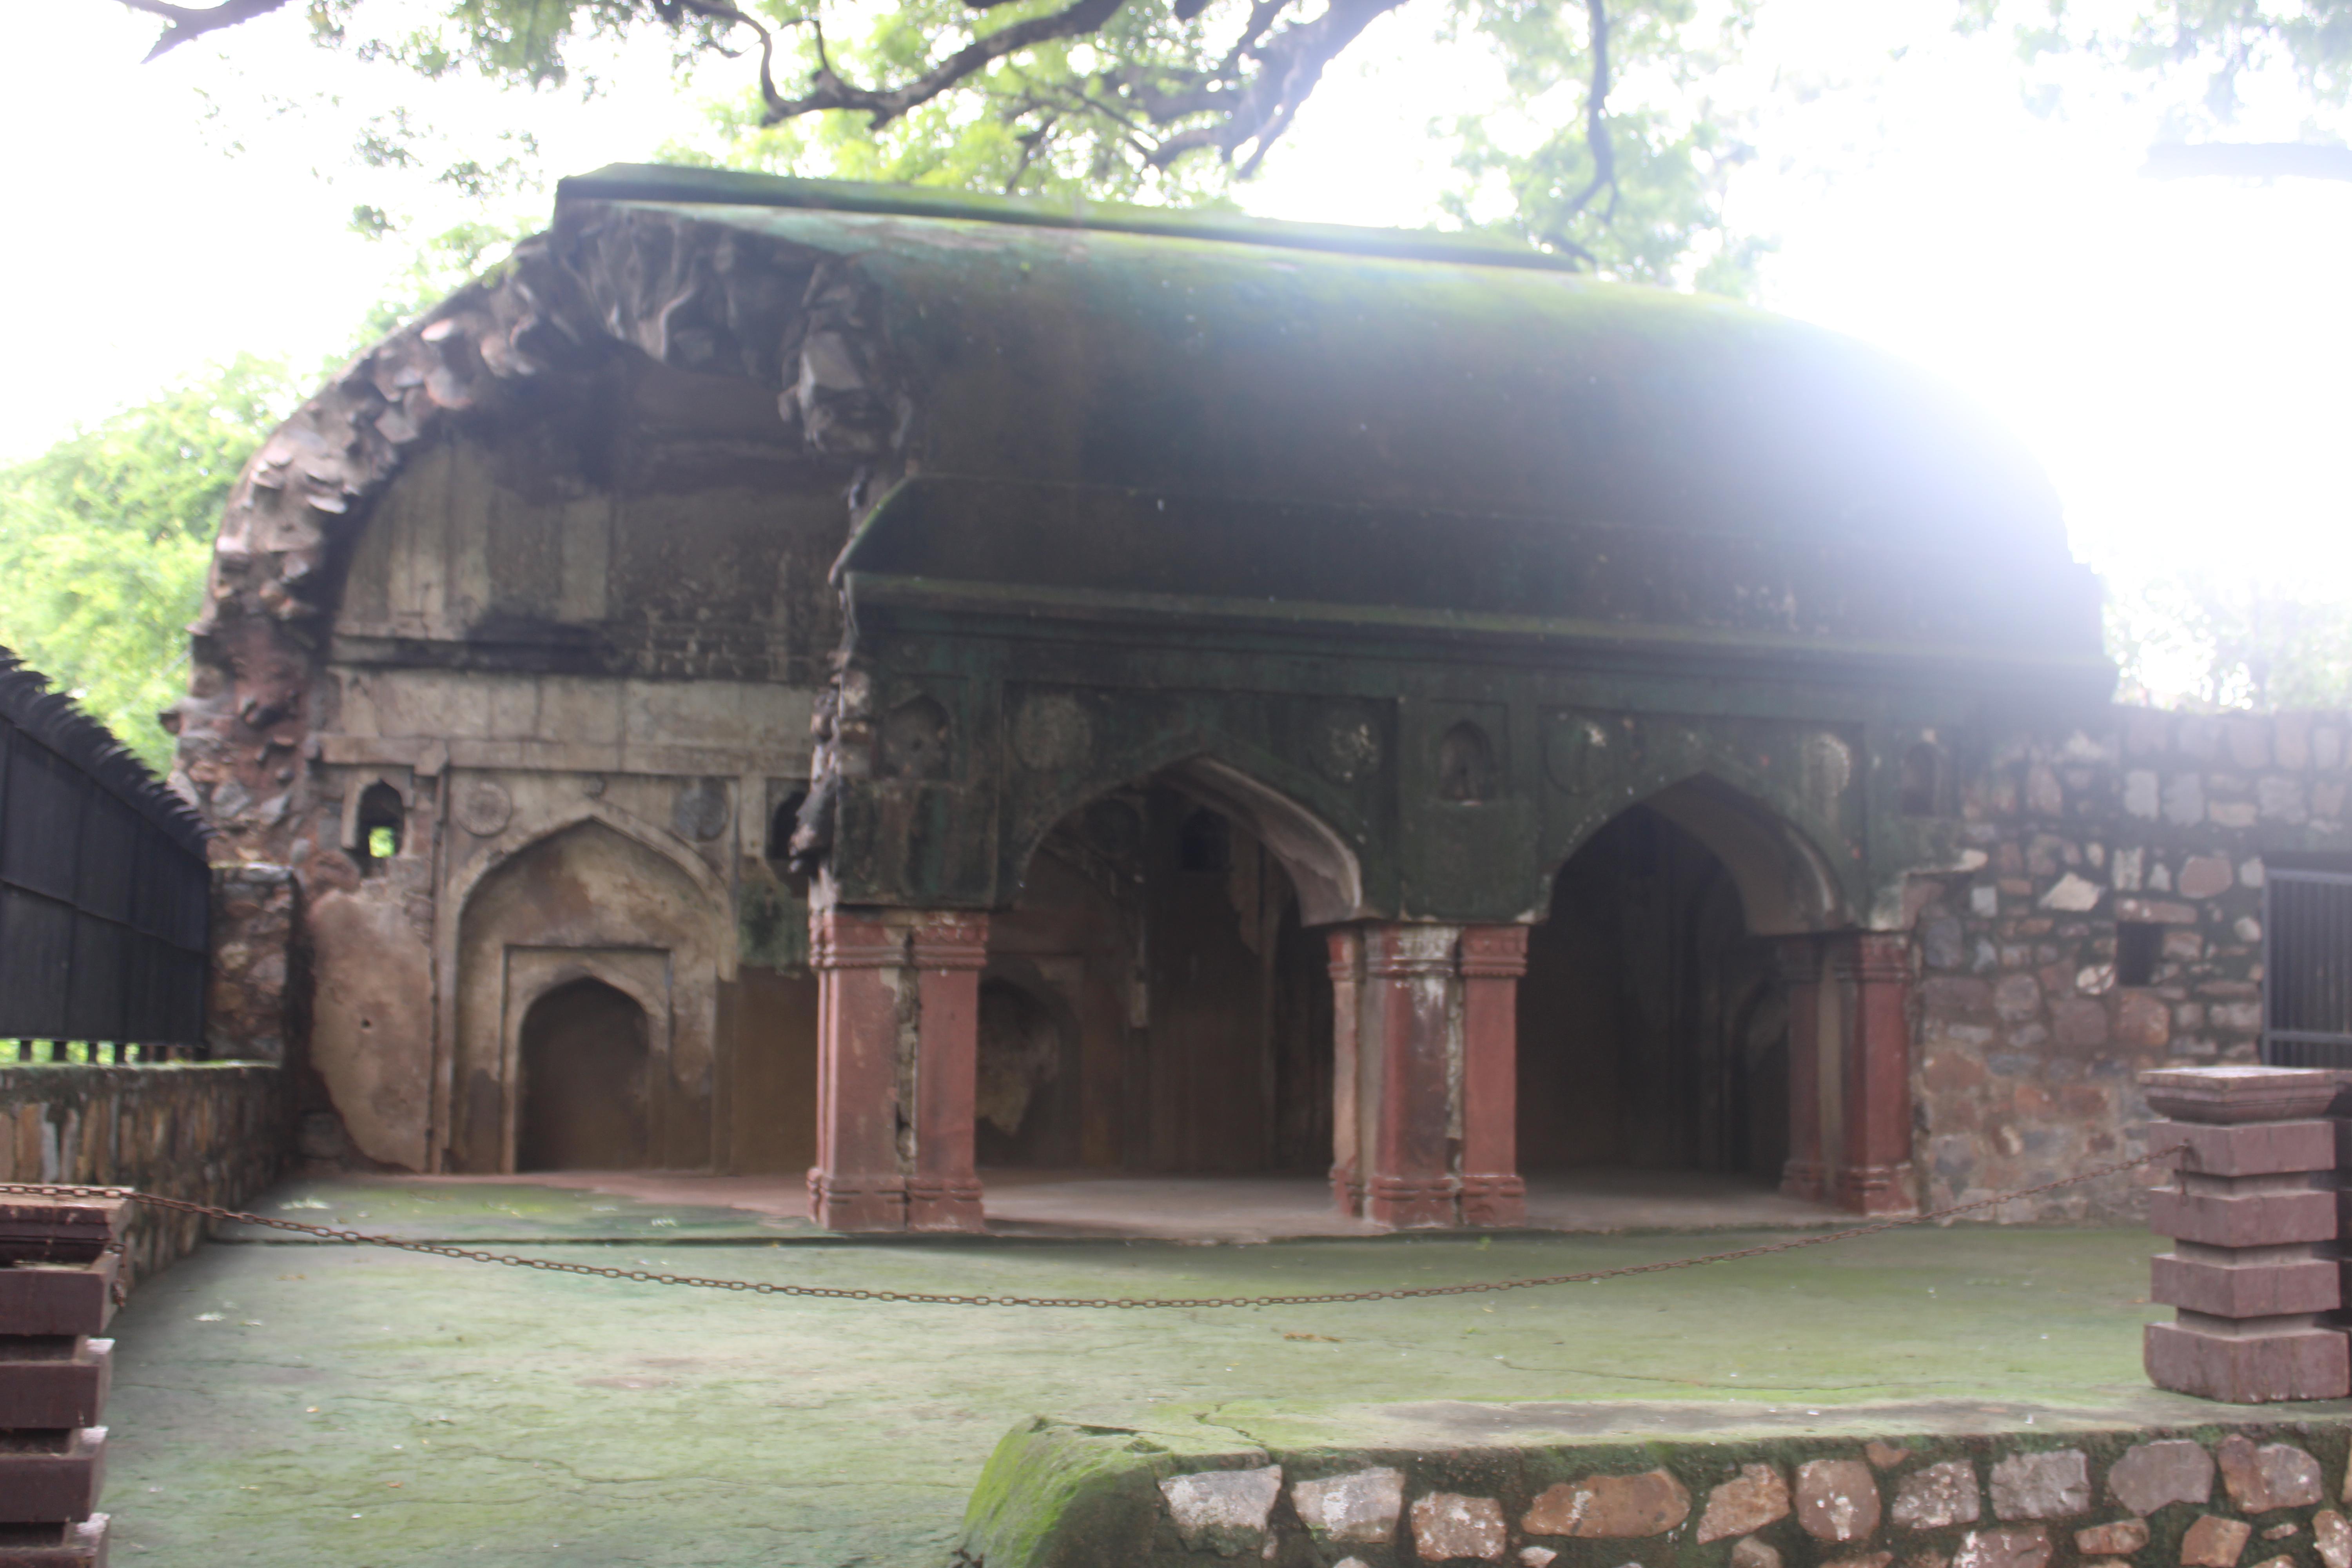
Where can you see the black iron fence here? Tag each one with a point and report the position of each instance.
(104, 891)
(2307, 968)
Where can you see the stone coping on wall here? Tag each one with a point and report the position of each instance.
(2180, 1483)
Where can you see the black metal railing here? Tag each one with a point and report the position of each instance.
(2307, 968)
(105, 897)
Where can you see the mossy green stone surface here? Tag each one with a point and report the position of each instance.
(311, 1404)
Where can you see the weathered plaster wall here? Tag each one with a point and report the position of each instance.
(2028, 1048)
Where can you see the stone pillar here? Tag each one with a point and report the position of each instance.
(1798, 961)
(1347, 946)
(2252, 1211)
(54, 1373)
(1490, 962)
(948, 951)
(1408, 1107)
(857, 1183)
(1872, 971)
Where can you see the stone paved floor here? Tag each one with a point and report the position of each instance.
(307, 1404)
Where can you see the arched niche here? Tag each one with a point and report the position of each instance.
(1788, 884)
(1328, 877)
(585, 902)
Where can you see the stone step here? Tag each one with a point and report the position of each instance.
(81, 1544)
(53, 1383)
(51, 1478)
(42, 1298)
(59, 1230)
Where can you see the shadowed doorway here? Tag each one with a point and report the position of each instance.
(1652, 1029)
(585, 1060)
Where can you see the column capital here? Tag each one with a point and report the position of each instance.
(855, 939)
(1395, 951)
(1870, 956)
(949, 939)
(1492, 952)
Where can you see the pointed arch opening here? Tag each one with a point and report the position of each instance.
(1155, 999)
(586, 1061)
(1654, 1020)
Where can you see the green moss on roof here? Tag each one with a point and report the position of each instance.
(730, 187)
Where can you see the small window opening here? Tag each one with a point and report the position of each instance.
(1922, 767)
(382, 814)
(1205, 843)
(1465, 764)
(782, 826)
(2139, 948)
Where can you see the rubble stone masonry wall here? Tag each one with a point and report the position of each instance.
(2029, 1041)
(210, 1133)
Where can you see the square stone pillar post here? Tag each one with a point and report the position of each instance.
(1872, 971)
(1490, 960)
(2252, 1211)
(1347, 947)
(948, 951)
(1408, 1076)
(857, 1183)
(1797, 962)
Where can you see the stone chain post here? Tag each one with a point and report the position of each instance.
(54, 1376)
(2252, 1211)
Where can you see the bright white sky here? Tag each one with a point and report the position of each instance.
(2179, 353)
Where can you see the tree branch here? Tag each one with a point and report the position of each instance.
(2247, 160)
(1596, 121)
(1289, 65)
(829, 91)
(189, 25)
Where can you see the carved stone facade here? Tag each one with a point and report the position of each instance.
(788, 676)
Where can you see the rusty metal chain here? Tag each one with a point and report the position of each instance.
(928, 1298)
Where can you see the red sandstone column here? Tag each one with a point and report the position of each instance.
(1491, 959)
(1408, 977)
(948, 952)
(1346, 993)
(1799, 961)
(856, 1184)
(1873, 973)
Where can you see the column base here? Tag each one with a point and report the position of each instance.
(1804, 1179)
(950, 1204)
(2252, 1369)
(1494, 1200)
(1876, 1189)
(1403, 1204)
(857, 1205)
(1347, 1193)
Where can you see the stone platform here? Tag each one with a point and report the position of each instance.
(1640, 1484)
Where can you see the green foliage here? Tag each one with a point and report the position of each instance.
(2195, 642)
(2210, 46)
(105, 537)
(1658, 217)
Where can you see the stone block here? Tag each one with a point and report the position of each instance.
(1744, 1505)
(2234, 1094)
(2248, 1219)
(1357, 1508)
(1610, 1507)
(2252, 1369)
(2223, 1289)
(2333, 1538)
(2214, 1543)
(79, 1545)
(1447, 1525)
(2272, 1476)
(1754, 1553)
(2250, 1149)
(59, 1230)
(61, 1384)
(2056, 1485)
(1837, 1500)
(2028, 1547)
(51, 1484)
(2120, 1539)
(51, 1299)
(1223, 1512)
(1936, 1496)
